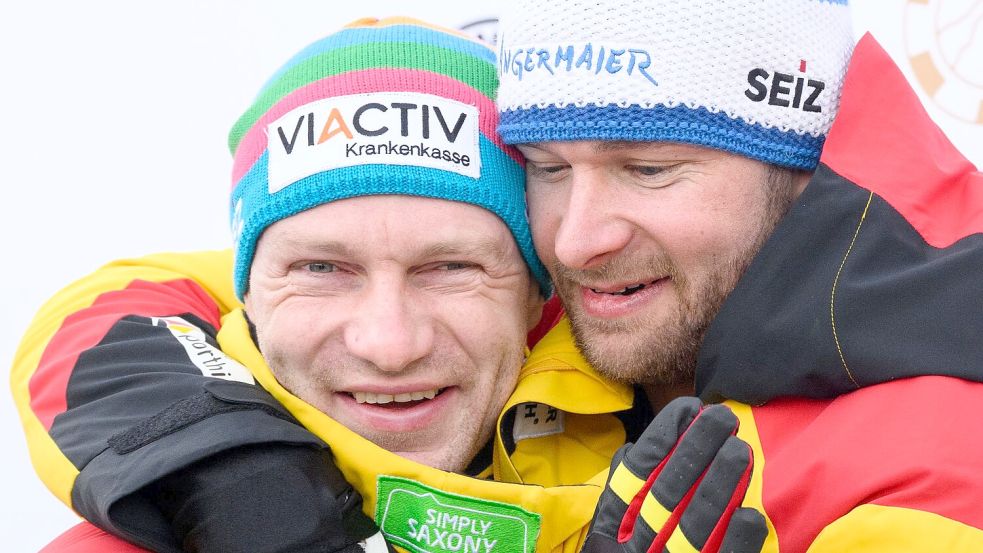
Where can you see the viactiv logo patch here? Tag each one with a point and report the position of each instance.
(423, 519)
(391, 128)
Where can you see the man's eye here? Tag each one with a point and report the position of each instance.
(454, 266)
(544, 169)
(321, 267)
(647, 170)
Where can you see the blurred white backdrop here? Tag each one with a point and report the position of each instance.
(116, 115)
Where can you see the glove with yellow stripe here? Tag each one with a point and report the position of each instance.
(679, 488)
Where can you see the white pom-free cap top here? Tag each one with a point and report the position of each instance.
(758, 78)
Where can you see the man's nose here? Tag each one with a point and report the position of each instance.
(388, 328)
(590, 230)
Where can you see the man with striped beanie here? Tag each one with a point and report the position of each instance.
(391, 107)
(382, 251)
(735, 201)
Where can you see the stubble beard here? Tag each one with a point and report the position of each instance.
(663, 353)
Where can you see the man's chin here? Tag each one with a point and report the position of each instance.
(637, 352)
(429, 458)
(440, 459)
(433, 449)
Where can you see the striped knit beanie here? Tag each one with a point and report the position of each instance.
(393, 106)
(757, 78)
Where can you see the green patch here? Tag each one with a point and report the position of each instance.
(423, 519)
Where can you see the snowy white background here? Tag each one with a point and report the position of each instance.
(114, 119)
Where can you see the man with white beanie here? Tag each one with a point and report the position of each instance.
(736, 203)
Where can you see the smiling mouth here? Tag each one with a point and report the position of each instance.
(407, 399)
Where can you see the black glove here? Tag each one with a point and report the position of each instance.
(679, 488)
(266, 498)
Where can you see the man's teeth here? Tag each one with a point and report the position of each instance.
(369, 397)
(626, 291)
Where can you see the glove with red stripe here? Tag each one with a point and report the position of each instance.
(679, 488)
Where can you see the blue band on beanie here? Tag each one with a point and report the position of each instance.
(661, 123)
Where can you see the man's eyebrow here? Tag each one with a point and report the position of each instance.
(533, 146)
(316, 247)
(483, 248)
(605, 146)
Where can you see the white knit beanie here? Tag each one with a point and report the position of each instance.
(760, 78)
